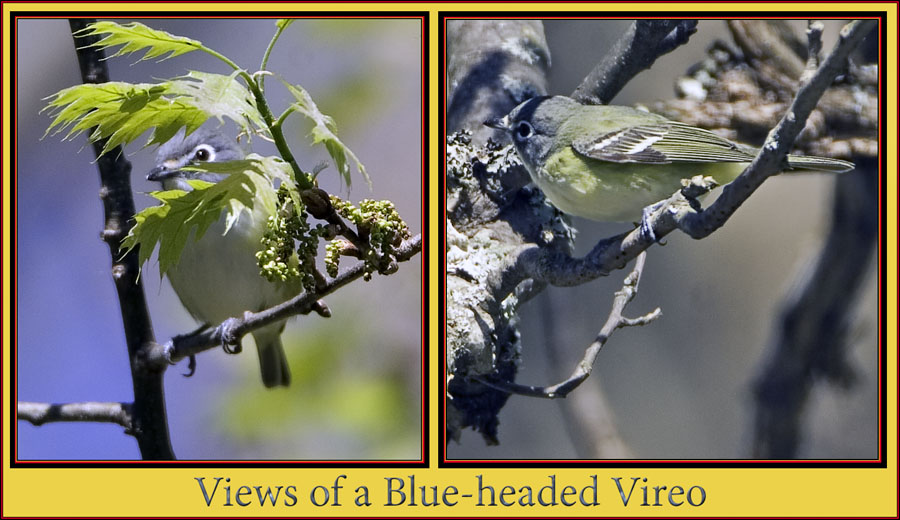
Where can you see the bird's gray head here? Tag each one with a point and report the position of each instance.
(533, 125)
(203, 145)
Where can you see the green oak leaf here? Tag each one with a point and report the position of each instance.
(325, 131)
(135, 36)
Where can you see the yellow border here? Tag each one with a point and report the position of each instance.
(729, 492)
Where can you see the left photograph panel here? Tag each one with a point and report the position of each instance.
(217, 239)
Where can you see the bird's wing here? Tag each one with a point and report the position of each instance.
(661, 143)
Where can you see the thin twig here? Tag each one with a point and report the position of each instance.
(814, 31)
(42, 413)
(771, 158)
(587, 416)
(583, 369)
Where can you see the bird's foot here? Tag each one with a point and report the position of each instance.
(231, 344)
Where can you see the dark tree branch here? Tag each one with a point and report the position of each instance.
(615, 321)
(635, 51)
(230, 332)
(558, 268)
(145, 419)
(811, 337)
(42, 413)
(149, 423)
(773, 49)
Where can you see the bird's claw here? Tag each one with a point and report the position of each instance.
(192, 365)
(231, 344)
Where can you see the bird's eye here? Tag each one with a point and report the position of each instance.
(523, 129)
(204, 153)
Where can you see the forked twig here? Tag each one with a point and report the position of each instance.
(583, 370)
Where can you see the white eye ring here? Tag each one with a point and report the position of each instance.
(203, 153)
(523, 130)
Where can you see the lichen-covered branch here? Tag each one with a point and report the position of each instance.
(492, 66)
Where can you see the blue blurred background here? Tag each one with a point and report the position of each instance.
(356, 392)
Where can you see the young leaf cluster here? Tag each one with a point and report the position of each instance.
(377, 221)
(289, 244)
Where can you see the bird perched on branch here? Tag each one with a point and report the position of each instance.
(218, 276)
(606, 163)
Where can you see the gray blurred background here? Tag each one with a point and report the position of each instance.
(356, 391)
(681, 386)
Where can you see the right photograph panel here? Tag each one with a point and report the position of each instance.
(662, 240)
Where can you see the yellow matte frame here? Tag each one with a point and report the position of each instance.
(174, 491)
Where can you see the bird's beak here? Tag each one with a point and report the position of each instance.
(160, 173)
(500, 123)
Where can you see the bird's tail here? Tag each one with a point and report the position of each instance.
(819, 164)
(273, 363)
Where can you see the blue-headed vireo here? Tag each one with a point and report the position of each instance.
(218, 276)
(607, 163)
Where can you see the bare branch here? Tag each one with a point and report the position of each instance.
(583, 370)
(636, 50)
(558, 268)
(771, 158)
(738, 91)
(42, 413)
(587, 416)
(230, 332)
(814, 36)
(811, 343)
